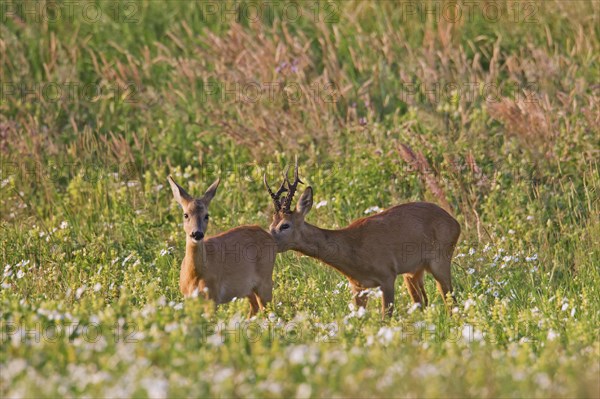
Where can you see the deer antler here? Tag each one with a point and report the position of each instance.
(287, 201)
(276, 196)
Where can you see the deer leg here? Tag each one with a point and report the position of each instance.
(388, 298)
(264, 295)
(422, 289)
(255, 306)
(416, 288)
(360, 297)
(441, 272)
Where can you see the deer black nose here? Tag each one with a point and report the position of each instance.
(197, 235)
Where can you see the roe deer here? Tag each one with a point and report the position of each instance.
(406, 239)
(235, 264)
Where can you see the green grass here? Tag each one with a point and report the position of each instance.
(92, 242)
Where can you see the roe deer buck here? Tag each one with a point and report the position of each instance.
(406, 239)
(237, 263)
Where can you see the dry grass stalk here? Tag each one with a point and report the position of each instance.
(529, 122)
(419, 164)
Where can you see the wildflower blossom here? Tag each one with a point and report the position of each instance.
(469, 303)
(321, 204)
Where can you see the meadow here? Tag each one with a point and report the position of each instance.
(490, 109)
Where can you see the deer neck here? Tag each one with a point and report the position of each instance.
(330, 246)
(192, 267)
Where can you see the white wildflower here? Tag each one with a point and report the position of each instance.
(531, 258)
(126, 259)
(80, 291)
(361, 312)
(302, 354)
(518, 375)
(304, 391)
(64, 225)
(272, 387)
(321, 204)
(470, 334)
(469, 303)
(296, 355)
(425, 370)
(215, 340)
(155, 387)
(373, 209)
(13, 369)
(385, 335)
(543, 380)
(414, 307)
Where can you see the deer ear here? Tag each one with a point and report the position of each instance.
(210, 193)
(180, 195)
(305, 202)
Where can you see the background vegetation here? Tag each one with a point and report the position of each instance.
(493, 113)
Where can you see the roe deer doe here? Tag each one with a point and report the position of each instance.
(235, 264)
(406, 239)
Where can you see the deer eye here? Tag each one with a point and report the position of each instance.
(206, 217)
(185, 215)
(284, 226)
